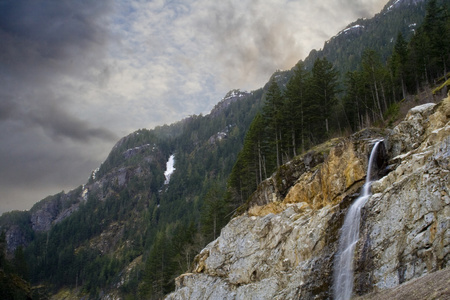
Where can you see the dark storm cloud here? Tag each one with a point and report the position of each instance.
(48, 50)
(43, 41)
(33, 166)
(58, 123)
(7, 107)
(53, 29)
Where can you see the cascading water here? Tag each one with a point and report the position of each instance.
(343, 265)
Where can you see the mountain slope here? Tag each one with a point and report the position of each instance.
(378, 33)
(285, 244)
(117, 218)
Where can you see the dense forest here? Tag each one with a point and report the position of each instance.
(134, 233)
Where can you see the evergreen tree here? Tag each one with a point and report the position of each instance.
(20, 263)
(399, 61)
(435, 27)
(323, 88)
(12, 280)
(253, 163)
(272, 113)
(355, 101)
(214, 211)
(375, 74)
(293, 112)
(158, 269)
(430, 47)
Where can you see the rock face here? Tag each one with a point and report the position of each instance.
(429, 287)
(406, 231)
(20, 226)
(15, 237)
(283, 246)
(54, 209)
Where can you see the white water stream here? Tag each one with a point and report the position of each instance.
(343, 265)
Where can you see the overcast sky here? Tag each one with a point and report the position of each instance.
(77, 75)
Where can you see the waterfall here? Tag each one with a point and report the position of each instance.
(343, 264)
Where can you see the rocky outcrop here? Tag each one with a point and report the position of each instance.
(283, 246)
(230, 97)
(15, 236)
(406, 230)
(54, 209)
(323, 176)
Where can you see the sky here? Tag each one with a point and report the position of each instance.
(76, 76)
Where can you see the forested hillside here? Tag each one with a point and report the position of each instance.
(129, 231)
(378, 33)
(315, 106)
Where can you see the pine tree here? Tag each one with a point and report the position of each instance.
(158, 268)
(294, 108)
(272, 113)
(253, 162)
(323, 88)
(418, 58)
(214, 211)
(20, 263)
(355, 103)
(375, 73)
(399, 61)
(435, 27)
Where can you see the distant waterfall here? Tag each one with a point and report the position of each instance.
(343, 264)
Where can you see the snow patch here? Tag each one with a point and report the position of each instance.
(85, 193)
(393, 5)
(169, 168)
(347, 30)
(235, 94)
(94, 173)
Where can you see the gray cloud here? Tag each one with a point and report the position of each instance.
(42, 42)
(44, 39)
(7, 107)
(58, 123)
(45, 45)
(249, 40)
(34, 166)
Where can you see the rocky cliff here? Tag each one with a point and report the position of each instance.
(283, 245)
